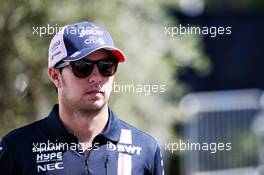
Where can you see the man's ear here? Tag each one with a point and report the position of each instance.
(54, 75)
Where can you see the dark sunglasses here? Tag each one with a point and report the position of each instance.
(83, 68)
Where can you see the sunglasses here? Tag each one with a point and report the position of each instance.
(83, 68)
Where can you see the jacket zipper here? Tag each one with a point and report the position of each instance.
(87, 161)
(106, 162)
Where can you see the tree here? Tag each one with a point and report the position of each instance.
(137, 27)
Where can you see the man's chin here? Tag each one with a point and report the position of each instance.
(95, 106)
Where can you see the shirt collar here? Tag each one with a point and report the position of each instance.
(56, 130)
(112, 131)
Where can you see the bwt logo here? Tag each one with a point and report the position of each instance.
(50, 167)
(124, 148)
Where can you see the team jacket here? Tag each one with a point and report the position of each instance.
(45, 147)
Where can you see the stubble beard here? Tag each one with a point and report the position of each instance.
(81, 106)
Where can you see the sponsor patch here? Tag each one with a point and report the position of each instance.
(122, 148)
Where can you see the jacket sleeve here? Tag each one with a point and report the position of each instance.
(158, 163)
(5, 158)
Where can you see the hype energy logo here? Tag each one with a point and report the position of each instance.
(49, 161)
(124, 148)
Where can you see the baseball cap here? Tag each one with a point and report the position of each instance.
(75, 41)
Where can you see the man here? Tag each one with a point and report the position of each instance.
(81, 135)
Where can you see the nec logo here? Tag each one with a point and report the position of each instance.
(130, 149)
(46, 158)
(50, 167)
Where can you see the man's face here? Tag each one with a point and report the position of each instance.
(86, 94)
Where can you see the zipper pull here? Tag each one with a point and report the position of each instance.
(106, 162)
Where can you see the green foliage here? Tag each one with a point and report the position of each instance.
(137, 28)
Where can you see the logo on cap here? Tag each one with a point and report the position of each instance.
(55, 46)
(75, 54)
(71, 47)
(94, 40)
(91, 31)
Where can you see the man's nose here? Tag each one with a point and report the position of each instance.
(95, 75)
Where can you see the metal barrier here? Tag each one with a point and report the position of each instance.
(220, 135)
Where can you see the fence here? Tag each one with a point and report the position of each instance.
(223, 134)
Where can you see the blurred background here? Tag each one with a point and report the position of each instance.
(213, 85)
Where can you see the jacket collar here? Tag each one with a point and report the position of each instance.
(55, 129)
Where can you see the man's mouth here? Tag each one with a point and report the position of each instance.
(95, 91)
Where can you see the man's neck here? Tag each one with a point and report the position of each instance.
(85, 126)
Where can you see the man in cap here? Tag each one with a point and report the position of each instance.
(81, 135)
